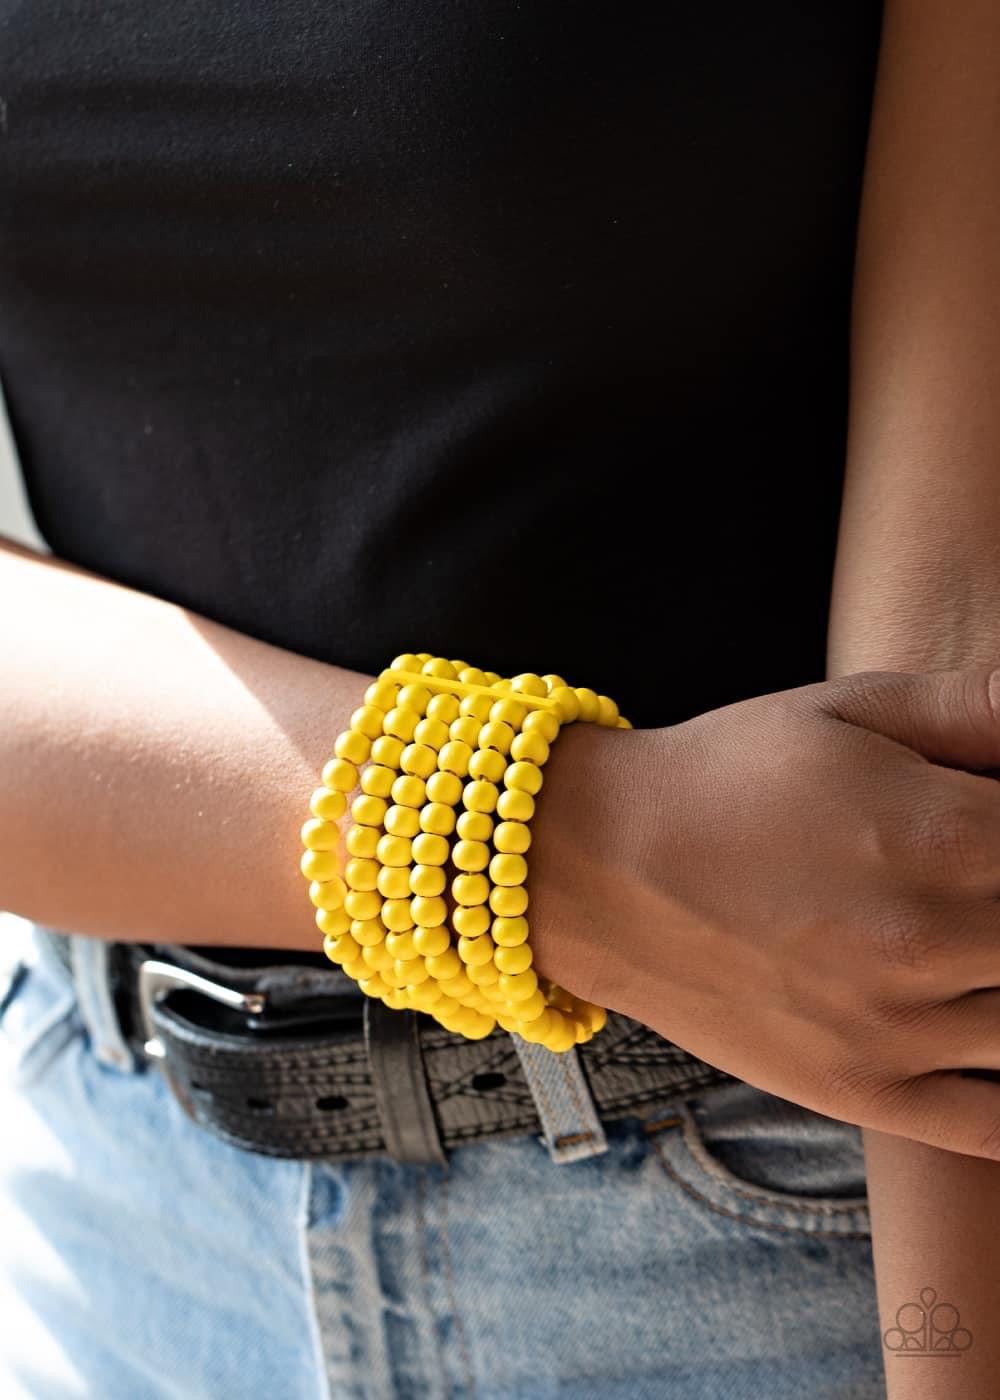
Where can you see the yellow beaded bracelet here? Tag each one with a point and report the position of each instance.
(446, 761)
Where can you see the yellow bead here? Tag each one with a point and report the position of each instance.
(427, 880)
(340, 774)
(443, 707)
(401, 723)
(470, 889)
(372, 986)
(519, 985)
(411, 972)
(363, 874)
(353, 746)
(414, 697)
(363, 841)
(431, 733)
(431, 942)
(560, 997)
(319, 835)
(439, 666)
(401, 945)
(607, 711)
(542, 722)
(407, 661)
(445, 788)
(568, 702)
(419, 759)
(530, 746)
(480, 796)
(523, 777)
(458, 986)
(465, 730)
(552, 682)
(508, 711)
(363, 904)
(623, 723)
(470, 855)
(529, 684)
(512, 960)
(386, 751)
(443, 965)
(508, 933)
(377, 780)
(496, 736)
(355, 968)
(595, 1017)
(427, 993)
(590, 705)
(381, 695)
(507, 870)
(474, 826)
(488, 764)
(438, 819)
(428, 913)
(475, 950)
(395, 850)
(476, 707)
(341, 948)
(333, 921)
(515, 806)
(483, 976)
(328, 804)
(409, 791)
(531, 1007)
(367, 933)
(396, 999)
(394, 882)
(319, 865)
(402, 821)
(454, 757)
(512, 838)
(328, 894)
(483, 1027)
(563, 1037)
(367, 719)
(429, 849)
(510, 902)
(471, 921)
(493, 679)
(397, 915)
(369, 811)
(377, 956)
(472, 675)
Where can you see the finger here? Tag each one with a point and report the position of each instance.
(950, 1109)
(963, 1033)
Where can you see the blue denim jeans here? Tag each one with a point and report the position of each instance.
(719, 1250)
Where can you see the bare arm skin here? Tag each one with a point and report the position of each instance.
(156, 766)
(917, 584)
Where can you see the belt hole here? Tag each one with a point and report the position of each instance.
(331, 1102)
(260, 1105)
(490, 1080)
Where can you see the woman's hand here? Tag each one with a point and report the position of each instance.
(798, 889)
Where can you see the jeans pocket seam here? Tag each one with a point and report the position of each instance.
(685, 1160)
(823, 1206)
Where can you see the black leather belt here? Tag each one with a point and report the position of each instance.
(290, 1059)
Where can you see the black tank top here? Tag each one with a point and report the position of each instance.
(510, 330)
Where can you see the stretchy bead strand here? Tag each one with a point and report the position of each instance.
(444, 762)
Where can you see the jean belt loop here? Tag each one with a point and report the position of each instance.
(571, 1129)
(91, 963)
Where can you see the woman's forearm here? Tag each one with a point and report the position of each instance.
(917, 583)
(155, 767)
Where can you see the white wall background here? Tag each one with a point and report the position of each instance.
(16, 521)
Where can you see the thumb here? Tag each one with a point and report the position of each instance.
(950, 717)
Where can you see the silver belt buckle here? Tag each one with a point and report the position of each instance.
(158, 979)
